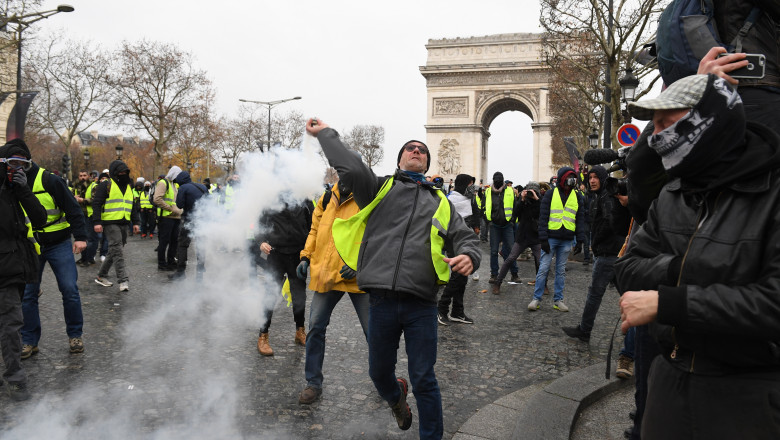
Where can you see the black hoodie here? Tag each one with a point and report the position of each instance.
(100, 194)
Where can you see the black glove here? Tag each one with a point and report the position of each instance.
(302, 268)
(546, 246)
(347, 272)
(19, 178)
(577, 248)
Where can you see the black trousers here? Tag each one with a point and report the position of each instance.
(181, 251)
(453, 292)
(280, 265)
(169, 241)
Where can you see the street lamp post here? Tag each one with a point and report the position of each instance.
(628, 85)
(119, 149)
(593, 138)
(23, 22)
(269, 105)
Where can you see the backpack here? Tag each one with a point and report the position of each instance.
(151, 192)
(686, 32)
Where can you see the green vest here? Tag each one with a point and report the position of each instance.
(561, 215)
(212, 188)
(55, 218)
(229, 197)
(168, 198)
(509, 203)
(88, 196)
(144, 200)
(30, 234)
(348, 233)
(118, 206)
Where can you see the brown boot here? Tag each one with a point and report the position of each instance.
(496, 289)
(300, 336)
(262, 345)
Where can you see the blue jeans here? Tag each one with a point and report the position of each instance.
(321, 308)
(505, 236)
(93, 240)
(603, 273)
(391, 314)
(60, 258)
(561, 249)
(628, 343)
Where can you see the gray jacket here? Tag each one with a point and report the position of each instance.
(396, 250)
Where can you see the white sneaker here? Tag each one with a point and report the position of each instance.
(123, 286)
(475, 276)
(102, 258)
(103, 282)
(559, 305)
(534, 305)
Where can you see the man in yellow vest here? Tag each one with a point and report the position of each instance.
(395, 246)
(113, 210)
(20, 211)
(64, 219)
(168, 219)
(561, 220)
(148, 215)
(500, 212)
(326, 282)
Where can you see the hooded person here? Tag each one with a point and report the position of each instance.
(189, 193)
(147, 211)
(454, 290)
(561, 225)
(65, 219)
(113, 211)
(500, 213)
(20, 266)
(168, 219)
(702, 270)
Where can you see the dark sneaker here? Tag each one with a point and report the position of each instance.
(76, 345)
(576, 332)
(18, 391)
(29, 350)
(492, 279)
(401, 411)
(515, 278)
(176, 275)
(442, 318)
(462, 319)
(309, 395)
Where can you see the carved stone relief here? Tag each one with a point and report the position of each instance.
(488, 78)
(451, 106)
(530, 96)
(449, 157)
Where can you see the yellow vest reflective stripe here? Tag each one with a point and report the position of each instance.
(229, 197)
(348, 233)
(118, 206)
(55, 218)
(88, 196)
(478, 200)
(212, 188)
(561, 215)
(509, 203)
(144, 200)
(168, 198)
(30, 234)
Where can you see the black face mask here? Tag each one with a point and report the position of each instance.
(123, 179)
(498, 182)
(344, 190)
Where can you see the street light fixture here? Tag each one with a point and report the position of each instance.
(119, 149)
(593, 139)
(269, 105)
(23, 22)
(628, 85)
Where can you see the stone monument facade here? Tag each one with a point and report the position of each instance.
(470, 81)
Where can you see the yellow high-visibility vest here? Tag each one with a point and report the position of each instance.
(118, 206)
(145, 203)
(509, 203)
(561, 215)
(88, 196)
(55, 218)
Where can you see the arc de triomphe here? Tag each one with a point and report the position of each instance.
(470, 82)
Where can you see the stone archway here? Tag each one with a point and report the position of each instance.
(470, 81)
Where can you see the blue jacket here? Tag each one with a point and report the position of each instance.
(189, 193)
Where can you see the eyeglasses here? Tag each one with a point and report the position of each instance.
(421, 148)
(17, 162)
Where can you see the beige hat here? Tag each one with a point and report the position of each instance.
(683, 93)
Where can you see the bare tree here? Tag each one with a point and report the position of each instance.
(288, 129)
(158, 83)
(367, 140)
(74, 93)
(198, 132)
(581, 35)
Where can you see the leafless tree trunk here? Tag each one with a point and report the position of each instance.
(367, 140)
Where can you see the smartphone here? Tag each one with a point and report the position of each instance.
(755, 69)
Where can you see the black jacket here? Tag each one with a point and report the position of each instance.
(18, 259)
(189, 193)
(63, 198)
(527, 220)
(605, 240)
(286, 230)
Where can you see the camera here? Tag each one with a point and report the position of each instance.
(615, 186)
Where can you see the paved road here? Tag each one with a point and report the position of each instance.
(178, 360)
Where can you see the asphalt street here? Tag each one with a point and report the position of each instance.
(167, 360)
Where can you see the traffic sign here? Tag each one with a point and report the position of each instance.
(628, 134)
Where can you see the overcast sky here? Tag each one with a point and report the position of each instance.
(353, 62)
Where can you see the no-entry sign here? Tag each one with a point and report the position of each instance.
(628, 134)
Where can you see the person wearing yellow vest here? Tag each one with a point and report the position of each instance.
(80, 192)
(147, 211)
(93, 239)
(168, 220)
(500, 212)
(396, 247)
(20, 211)
(112, 211)
(320, 258)
(64, 219)
(561, 225)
